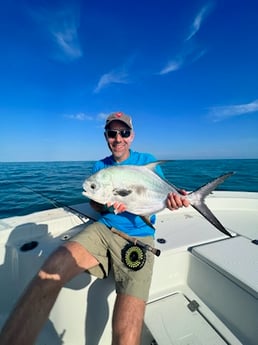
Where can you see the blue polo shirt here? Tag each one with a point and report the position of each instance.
(129, 223)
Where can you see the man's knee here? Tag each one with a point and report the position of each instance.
(60, 266)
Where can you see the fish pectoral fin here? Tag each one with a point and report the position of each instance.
(122, 192)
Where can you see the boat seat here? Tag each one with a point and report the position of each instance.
(237, 258)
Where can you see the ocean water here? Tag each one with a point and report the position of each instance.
(22, 183)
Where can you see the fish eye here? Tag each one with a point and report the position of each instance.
(93, 186)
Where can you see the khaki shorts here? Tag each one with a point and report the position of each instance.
(106, 247)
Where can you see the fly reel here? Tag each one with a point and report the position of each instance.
(133, 256)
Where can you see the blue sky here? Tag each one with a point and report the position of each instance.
(186, 71)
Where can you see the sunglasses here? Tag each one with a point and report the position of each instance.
(112, 133)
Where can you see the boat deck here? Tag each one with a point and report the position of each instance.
(186, 325)
(204, 288)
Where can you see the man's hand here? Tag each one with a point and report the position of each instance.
(118, 207)
(175, 201)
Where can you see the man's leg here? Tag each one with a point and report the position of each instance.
(33, 308)
(127, 320)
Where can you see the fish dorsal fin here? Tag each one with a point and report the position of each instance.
(153, 165)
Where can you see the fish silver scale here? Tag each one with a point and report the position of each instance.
(143, 192)
(147, 191)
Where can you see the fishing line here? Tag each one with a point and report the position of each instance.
(58, 204)
(81, 216)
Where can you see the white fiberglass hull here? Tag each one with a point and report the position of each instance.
(204, 288)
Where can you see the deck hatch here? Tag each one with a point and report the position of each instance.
(171, 321)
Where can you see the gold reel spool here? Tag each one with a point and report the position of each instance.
(133, 256)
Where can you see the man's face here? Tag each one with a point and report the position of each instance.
(119, 142)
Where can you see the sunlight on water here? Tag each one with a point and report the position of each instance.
(62, 181)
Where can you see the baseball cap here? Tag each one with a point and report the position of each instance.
(119, 116)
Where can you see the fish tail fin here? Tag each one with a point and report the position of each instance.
(197, 199)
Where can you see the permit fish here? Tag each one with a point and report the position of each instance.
(144, 192)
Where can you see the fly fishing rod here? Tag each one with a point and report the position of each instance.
(57, 204)
(136, 242)
(82, 215)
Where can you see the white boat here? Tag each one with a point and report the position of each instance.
(204, 288)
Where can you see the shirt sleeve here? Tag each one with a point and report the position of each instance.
(97, 166)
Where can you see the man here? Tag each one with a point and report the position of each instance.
(88, 251)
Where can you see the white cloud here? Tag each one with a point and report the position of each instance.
(111, 78)
(189, 55)
(99, 118)
(66, 38)
(79, 117)
(196, 25)
(61, 25)
(190, 52)
(102, 116)
(171, 67)
(225, 112)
